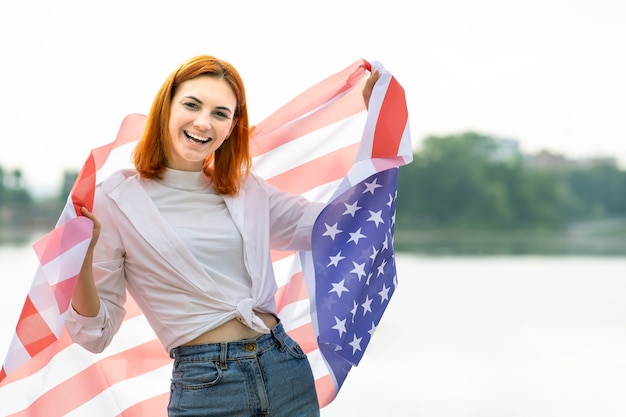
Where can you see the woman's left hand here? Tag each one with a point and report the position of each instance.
(369, 86)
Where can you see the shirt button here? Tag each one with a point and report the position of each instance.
(250, 347)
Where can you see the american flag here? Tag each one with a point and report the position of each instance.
(322, 144)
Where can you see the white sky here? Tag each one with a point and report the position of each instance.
(549, 73)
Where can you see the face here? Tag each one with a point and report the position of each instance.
(201, 118)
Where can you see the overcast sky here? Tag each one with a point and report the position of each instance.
(548, 73)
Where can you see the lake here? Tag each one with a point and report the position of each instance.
(469, 336)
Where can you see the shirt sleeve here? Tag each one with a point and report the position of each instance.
(291, 219)
(96, 333)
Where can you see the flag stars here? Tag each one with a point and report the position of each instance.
(376, 217)
(334, 260)
(355, 306)
(340, 326)
(374, 253)
(356, 236)
(370, 187)
(386, 243)
(332, 231)
(367, 308)
(384, 294)
(390, 202)
(356, 343)
(372, 330)
(339, 288)
(381, 268)
(359, 270)
(351, 209)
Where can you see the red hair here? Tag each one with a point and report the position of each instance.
(230, 164)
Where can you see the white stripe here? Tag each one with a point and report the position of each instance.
(295, 314)
(67, 264)
(285, 268)
(318, 364)
(309, 147)
(70, 361)
(119, 158)
(125, 394)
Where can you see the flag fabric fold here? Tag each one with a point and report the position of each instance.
(323, 144)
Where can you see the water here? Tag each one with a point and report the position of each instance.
(505, 337)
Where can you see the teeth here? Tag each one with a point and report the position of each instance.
(195, 138)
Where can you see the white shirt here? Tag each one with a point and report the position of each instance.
(140, 252)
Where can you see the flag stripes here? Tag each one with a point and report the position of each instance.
(315, 145)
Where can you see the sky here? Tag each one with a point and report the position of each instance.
(547, 73)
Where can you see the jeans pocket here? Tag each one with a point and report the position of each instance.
(196, 375)
(293, 348)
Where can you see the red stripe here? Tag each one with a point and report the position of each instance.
(84, 186)
(41, 360)
(391, 122)
(32, 330)
(305, 336)
(326, 391)
(97, 378)
(328, 168)
(294, 290)
(152, 407)
(62, 239)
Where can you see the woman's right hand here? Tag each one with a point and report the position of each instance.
(96, 228)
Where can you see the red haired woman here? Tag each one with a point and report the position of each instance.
(188, 234)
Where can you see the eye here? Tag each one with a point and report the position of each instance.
(190, 104)
(221, 114)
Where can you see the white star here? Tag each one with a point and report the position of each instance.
(371, 186)
(372, 330)
(369, 276)
(381, 268)
(356, 344)
(351, 209)
(367, 305)
(384, 294)
(332, 231)
(390, 202)
(376, 217)
(374, 253)
(334, 260)
(385, 243)
(354, 237)
(339, 288)
(340, 326)
(353, 311)
(359, 270)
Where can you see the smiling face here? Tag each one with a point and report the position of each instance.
(202, 116)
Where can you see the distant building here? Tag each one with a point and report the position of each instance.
(548, 160)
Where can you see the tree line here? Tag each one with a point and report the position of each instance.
(460, 182)
(455, 182)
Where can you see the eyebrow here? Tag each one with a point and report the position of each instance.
(200, 102)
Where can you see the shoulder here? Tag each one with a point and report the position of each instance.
(114, 180)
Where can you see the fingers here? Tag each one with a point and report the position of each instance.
(96, 224)
(89, 215)
(369, 86)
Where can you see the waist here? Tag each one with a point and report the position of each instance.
(233, 330)
(238, 349)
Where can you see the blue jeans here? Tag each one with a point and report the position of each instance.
(267, 376)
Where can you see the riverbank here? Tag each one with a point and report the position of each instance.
(597, 238)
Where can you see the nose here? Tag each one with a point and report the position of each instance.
(203, 121)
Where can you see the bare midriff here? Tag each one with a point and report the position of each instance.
(233, 330)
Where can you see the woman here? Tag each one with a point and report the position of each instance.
(188, 233)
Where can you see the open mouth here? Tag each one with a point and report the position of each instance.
(197, 139)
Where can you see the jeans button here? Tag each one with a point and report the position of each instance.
(250, 347)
